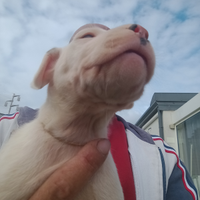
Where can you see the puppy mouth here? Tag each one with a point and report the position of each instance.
(137, 53)
(131, 51)
(129, 54)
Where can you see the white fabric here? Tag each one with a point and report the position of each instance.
(143, 154)
(7, 125)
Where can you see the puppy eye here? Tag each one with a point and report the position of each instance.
(88, 36)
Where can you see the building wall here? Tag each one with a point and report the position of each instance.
(151, 126)
(187, 110)
(170, 135)
(171, 119)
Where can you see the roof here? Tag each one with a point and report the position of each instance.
(172, 97)
(164, 101)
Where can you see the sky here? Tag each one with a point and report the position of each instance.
(29, 28)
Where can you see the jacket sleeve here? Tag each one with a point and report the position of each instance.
(179, 184)
(8, 123)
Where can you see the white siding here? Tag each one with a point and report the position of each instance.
(187, 110)
(169, 133)
(152, 126)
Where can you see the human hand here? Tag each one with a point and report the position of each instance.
(67, 181)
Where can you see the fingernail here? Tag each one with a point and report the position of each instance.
(103, 146)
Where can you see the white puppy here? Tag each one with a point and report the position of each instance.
(100, 72)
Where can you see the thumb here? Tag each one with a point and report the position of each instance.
(69, 179)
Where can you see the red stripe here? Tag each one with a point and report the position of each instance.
(183, 172)
(119, 150)
(157, 139)
(9, 117)
(179, 166)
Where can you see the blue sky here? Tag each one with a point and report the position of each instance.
(30, 28)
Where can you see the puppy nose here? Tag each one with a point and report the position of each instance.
(139, 29)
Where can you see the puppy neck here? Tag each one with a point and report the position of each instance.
(75, 124)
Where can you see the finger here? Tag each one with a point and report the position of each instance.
(68, 180)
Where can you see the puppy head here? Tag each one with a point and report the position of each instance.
(100, 65)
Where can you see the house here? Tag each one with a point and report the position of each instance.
(176, 118)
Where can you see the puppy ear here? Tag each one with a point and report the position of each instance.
(45, 71)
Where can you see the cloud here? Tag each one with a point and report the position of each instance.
(30, 28)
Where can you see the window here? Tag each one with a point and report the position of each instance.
(188, 133)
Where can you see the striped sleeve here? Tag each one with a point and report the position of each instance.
(180, 184)
(8, 123)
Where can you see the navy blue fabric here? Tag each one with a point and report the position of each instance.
(26, 115)
(176, 189)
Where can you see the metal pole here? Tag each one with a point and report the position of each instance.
(160, 122)
(11, 102)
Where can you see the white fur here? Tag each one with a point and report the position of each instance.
(88, 81)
